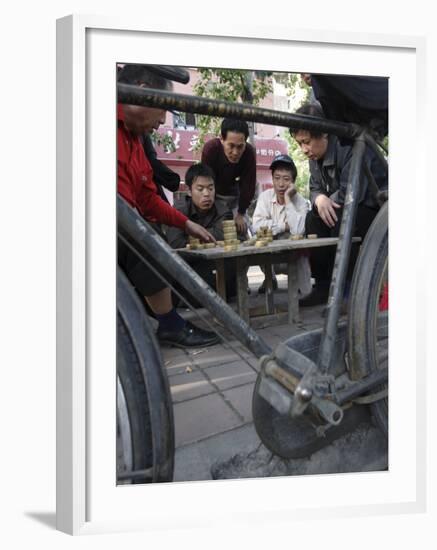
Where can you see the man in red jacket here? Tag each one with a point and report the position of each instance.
(135, 184)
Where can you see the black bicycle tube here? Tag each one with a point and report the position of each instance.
(145, 240)
(344, 244)
(134, 95)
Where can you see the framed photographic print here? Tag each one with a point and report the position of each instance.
(99, 491)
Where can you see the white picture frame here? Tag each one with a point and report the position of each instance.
(88, 500)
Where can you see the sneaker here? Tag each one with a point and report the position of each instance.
(318, 296)
(262, 288)
(189, 337)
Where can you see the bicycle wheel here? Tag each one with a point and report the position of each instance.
(145, 426)
(368, 311)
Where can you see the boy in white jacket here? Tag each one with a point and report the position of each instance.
(283, 210)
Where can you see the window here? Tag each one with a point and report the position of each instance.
(186, 121)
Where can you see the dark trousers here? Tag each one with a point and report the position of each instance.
(204, 269)
(143, 278)
(322, 259)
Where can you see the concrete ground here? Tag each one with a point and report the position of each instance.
(212, 392)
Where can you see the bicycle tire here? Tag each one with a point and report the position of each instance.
(367, 339)
(134, 427)
(144, 408)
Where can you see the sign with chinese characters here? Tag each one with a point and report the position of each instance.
(268, 149)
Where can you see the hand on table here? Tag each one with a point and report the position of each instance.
(240, 223)
(199, 232)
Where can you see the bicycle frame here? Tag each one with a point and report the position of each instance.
(301, 376)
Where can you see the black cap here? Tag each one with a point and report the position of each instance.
(287, 162)
(131, 73)
(178, 74)
(282, 159)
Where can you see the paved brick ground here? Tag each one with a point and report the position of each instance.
(212, 391)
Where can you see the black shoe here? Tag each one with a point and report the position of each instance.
(319, 295)
(262, 288)
(189, 337)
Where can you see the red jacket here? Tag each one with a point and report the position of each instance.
(135, 179)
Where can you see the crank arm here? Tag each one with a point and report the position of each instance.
(310, 387)
(328, 410)
(296, 403)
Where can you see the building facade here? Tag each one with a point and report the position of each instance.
(269, 140)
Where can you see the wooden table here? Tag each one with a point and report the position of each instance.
(278, 251)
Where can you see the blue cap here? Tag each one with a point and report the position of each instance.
(282, 159)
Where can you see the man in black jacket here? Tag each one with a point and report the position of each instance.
(163, 176)
(329, 163)
(201, 206)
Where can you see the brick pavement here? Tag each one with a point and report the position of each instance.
(212, 391)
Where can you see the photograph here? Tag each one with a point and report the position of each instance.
(206, 358)
(252, 281)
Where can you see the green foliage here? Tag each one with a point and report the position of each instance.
(228, 85)
(301, 162)
(298, 92)
(293, 82)
(234, 85)
(164, 140)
